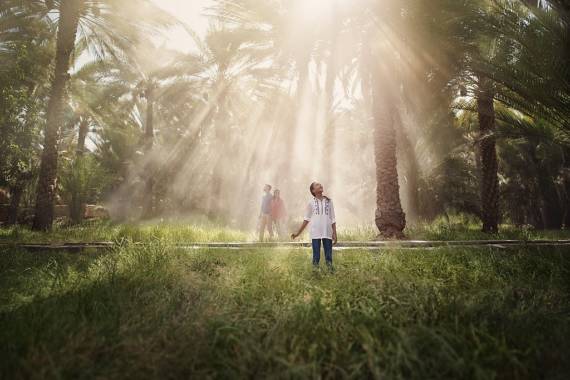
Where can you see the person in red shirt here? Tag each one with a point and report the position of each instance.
(278, 213)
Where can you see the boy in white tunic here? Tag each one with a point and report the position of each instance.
(320, 214)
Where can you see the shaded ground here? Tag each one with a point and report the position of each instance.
(150, 310)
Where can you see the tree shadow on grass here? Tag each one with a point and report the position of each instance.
(125, 325)
(131, 316)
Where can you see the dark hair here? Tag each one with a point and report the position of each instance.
(311, 188)
(268, 185)
(313, 194)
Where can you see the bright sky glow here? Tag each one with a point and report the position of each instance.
(191, 12)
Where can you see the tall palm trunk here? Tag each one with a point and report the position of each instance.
(390, 218)
(82, 136)
(330, 130)
(330, 82)
(77, 206)
(289, 160)
(411, 170)
(148, 194)
(488, 153)
(550, 201)
(70, 11)
(222, 137)
(16, 193)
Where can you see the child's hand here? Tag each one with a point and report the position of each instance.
(293, 236)
(335, 240)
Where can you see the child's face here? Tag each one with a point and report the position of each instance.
(318, 189)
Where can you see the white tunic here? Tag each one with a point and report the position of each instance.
(320, 215)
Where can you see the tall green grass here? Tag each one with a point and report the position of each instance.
(150, 311)
(455, 227)
(107, 231)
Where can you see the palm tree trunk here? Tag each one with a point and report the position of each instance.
(148, 194)
(82, 136)
(77, 206)
(330, 130)
(551, 206)
(566, 212)
(411, 171)
(333, 32)
(390, 218)
(220, 123)
(67, 30)
(290, 134)
(16, 193)
(488, 152)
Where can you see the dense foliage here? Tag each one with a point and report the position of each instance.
(468, 100)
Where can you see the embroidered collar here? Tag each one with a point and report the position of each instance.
(324, 205)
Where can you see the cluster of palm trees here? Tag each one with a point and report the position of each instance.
(458, 87)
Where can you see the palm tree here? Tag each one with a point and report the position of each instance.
(162, 93)
(277, 33)
(467, 41)
(25, 52)
(488, 156)
(17, 19)
(83, 103)
(535, 75)
(149, 94)
(381, 83)
(221, 71)
(390, 218)
(107, 27)
(92, 90)
(70, 12)
(519, 65)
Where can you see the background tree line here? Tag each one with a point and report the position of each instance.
(421, 108)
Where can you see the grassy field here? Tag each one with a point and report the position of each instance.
(151, 311)
(457, 227)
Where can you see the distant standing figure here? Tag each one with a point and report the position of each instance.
(278, 213)
(320, 213)
(265, 214)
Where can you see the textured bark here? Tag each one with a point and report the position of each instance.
(390, 218)
(67, 30)
(148, 192)
(77, 206)
(550, 201)
(81, 137)
(411, 170)
(488, 153)
(566, 212)
(15, 197)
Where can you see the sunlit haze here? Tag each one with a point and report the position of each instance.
(305, 133)
(193, 106)
(190, 12)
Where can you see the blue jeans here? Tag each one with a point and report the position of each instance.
(327, 245)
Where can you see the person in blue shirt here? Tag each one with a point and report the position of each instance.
(265, 214)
